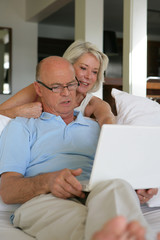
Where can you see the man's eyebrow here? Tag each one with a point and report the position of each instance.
(52, 84)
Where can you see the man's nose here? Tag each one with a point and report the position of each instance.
(65, 91)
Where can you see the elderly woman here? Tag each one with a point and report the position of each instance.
(89, 64)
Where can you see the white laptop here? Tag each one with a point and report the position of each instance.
(127, 152)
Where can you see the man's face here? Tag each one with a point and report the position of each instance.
(61, 103)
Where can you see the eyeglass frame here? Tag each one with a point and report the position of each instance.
(62, 86)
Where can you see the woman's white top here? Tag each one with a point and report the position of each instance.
(84, 103)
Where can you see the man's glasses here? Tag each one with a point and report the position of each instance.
(58, 88)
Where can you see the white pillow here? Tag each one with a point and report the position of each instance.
(135, 110)
(3, 122)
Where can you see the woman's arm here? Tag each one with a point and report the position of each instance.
(25, 103)
(101, 110)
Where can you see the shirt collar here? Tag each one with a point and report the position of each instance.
(80, 119)
(47, 116)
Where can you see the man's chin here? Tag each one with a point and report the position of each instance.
(66, 111)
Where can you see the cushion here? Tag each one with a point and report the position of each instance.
(135, 110)
(3, 122)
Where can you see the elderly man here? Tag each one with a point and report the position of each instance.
(44, 159)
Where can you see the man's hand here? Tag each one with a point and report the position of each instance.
(63, 184)
(145, 195)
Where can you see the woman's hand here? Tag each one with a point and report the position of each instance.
(100, 110)
(29, 110)
(145, 195)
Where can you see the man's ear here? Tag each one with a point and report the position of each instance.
(37, 89)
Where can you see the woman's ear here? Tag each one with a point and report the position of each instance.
(37, 89)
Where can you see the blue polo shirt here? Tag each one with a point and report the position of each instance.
(34, 146)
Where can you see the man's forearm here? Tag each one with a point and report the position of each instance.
(17, 189)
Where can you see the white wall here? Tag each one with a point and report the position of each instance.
(24, 44)
(53, 31)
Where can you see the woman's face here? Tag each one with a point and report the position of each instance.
(86, 69)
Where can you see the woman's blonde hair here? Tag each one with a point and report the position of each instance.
(78, 48)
